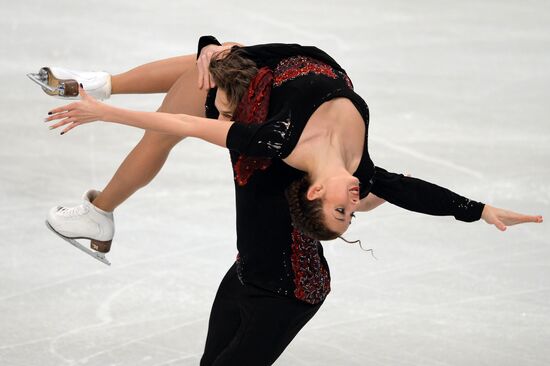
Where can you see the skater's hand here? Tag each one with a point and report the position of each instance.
(203, 62)
(71, 115)
(503, 218)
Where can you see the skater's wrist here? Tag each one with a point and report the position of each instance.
(107, 113)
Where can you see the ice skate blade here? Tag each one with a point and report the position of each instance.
(37, 79)
(99, 256)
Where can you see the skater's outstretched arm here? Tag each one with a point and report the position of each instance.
(417, 195)
(90, 110)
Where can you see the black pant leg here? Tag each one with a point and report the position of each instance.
(269, 323)
(225, 317)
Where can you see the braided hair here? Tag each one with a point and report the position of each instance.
(307, 215)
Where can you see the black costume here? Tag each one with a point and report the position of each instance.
(276, 260)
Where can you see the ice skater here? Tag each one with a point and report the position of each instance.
(292, 108)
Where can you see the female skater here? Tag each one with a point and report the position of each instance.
(322, 207)
(266, 250)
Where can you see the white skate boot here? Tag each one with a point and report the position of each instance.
(63, 83)
(84, 221)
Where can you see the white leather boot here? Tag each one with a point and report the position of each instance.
(84, 221)
(63, 83)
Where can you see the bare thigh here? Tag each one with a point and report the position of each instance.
(183, 97)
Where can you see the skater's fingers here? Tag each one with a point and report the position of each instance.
(62, 123)
(70, 127)
(199, 80)
(513, 218)
(499, 225)
(205, 79)
(536, 219)
(64, 108)
(214, 53)
(58, 116)
(202, 64)
(497, 222)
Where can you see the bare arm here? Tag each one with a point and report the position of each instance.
(89, 110)
(369, 203)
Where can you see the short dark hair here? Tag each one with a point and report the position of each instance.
(233, 73)
(307, 215)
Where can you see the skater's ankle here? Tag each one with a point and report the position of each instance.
(102, 205)
(117, 82)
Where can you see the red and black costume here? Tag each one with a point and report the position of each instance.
(278, 269)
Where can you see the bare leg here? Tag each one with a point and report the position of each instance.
(147, 158)
(154, 77)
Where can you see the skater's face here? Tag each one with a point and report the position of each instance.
(340, 197)
(222, 105)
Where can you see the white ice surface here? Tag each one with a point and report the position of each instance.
(459, 93)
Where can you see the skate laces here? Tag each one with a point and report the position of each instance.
(72, 211)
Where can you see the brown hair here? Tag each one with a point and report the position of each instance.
(307, 215)
(233, 72)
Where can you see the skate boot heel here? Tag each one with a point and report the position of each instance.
(101, 246)
(68, 88)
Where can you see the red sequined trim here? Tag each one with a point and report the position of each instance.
(348, 81)
(293, 67)
(246, 166)
(253, 108)
(311, 278)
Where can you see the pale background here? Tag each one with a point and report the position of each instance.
(459, 94)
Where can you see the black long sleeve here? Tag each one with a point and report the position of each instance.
(420, 196)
